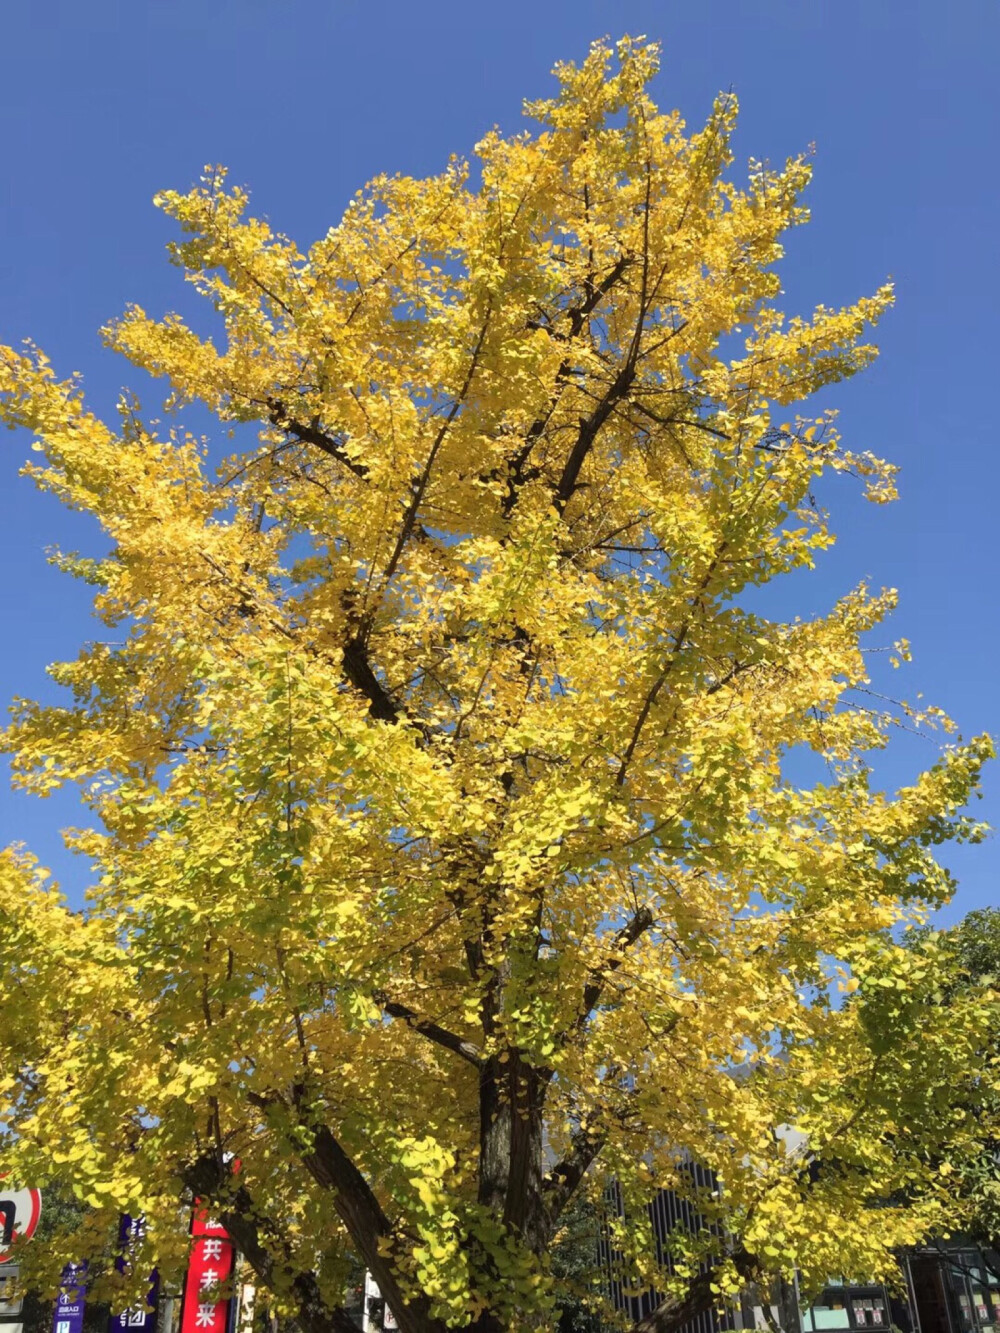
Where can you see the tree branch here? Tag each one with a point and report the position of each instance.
(680, 639)
(518, 471)
(369, 1228)
(564, 1179)
(208, 1178)
(358, 670)
(589, 428)
(419, 482)
(627, 936)
(622, 382)
(675, 1311)
(358, 1209)
(637, 925)
(466, 1050)
(595, 294)
(311, 434)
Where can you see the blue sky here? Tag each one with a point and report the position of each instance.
(104, 103)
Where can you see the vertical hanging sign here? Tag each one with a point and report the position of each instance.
(210, 1266)
(68, 1314)
(140, 1318)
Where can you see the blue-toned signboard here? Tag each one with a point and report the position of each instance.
(68, 1314)
(140, 1318)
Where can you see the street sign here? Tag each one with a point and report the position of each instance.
(376, 1316)
(19, 1213)
(68, 1314)
(10, 1305)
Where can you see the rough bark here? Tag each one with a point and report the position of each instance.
(524, 1210)
(676, 1311)
(240, 1217)
(368, 1227)
(494, 1136)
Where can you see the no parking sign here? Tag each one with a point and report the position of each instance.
(19, 1213)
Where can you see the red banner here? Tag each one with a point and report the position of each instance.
(211, 1265)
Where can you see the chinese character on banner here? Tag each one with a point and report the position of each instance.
(210, 1266)
(68, 1314)
(140, 1317)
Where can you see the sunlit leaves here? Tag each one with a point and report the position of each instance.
(438, 739)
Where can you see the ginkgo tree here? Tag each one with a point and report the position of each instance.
(447, 862)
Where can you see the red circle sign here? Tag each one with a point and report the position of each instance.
(19, 1213)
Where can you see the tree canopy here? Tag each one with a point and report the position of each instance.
(957, 971)
(448, 862)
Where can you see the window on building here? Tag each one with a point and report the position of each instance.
(843, 1306)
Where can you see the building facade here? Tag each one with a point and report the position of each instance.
(951, 1287)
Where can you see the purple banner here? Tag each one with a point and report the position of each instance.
(68, 1314)
(140, 1318)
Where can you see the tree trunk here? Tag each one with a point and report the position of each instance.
(494, 1136)
(524, 1212)
(673, 1313)
(367, 1226)
(511, 1100)
(676, 1311)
